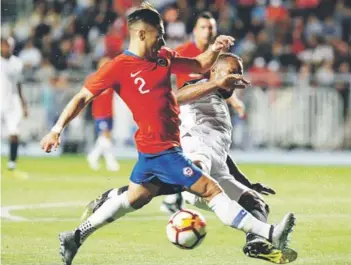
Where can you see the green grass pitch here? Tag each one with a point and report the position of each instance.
(319, 196)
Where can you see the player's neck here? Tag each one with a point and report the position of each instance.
(201, 46)
(135, 49)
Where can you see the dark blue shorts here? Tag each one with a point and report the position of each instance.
(170, 166)
(103, 125)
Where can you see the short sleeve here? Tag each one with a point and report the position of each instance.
(103, 79)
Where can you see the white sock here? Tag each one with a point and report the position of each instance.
(115, 207)
(232, 214)
(96, 152)
(107, 151)
(197, 201)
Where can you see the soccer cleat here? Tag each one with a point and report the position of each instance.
(282, 231)
(112, 165)
(92, 207)
(172, 203)
(11, 165)
(93, 163)
(68, 246)
(263, 249)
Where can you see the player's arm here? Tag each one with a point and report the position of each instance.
(203, 62)
(237, 105)
(73, 108)
(23, 100)
(195, 91)
(98, 82)
(191, 92)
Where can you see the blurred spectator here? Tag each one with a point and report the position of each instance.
(174, 27)
(317, 51)
(330, 29)
(246, 45)
(46, 78)
(304, 77)
(313, 27)
(60, 54)
(264, 46)
(226, 15)
(343, 86)
(297, 45)
(272, 75)
(113, 42)
(258, 73)
(325, 75)
(30, 55)
(276, 11)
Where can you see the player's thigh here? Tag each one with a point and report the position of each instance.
(103, 125)
(141, 194)
(198, 152)
(228, 183)
(12, 119)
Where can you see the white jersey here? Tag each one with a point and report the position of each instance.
(208, 116)
(11, 75)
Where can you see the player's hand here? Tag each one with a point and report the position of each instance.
(50, 141)
(230, 82)
(262, 189)
(222, 43)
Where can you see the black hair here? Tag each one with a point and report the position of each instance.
(146, 15)
(205, 14)
(225, 55)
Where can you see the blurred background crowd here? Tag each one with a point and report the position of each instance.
(290, 49)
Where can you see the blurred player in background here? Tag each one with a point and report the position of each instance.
(102, 112)
(204, 32)
(13, 104)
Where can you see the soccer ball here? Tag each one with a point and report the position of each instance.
(186, 229)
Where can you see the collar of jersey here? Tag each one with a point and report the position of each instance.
(129, 53)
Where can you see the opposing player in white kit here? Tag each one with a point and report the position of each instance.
(13, 104)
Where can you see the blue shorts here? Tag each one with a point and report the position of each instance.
(103, 125)
(170, 166)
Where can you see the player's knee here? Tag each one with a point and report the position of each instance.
(13, 138)
(140, 201)
(211, 189)
(250, 201)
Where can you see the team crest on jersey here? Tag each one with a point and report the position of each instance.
(188, 171)
(162, 62)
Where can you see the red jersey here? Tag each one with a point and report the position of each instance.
(188, 49)
(145, 87)
(102, 105)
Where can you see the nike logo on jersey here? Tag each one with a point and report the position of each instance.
(135, 74)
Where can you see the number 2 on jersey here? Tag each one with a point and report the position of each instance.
(141, 82)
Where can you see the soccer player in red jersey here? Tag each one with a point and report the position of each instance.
(102, 112)
(141, 76)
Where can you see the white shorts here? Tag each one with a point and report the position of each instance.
(11, 115)
(213, 159)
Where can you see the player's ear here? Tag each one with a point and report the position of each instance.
(142, 34)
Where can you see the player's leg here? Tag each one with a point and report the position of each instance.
(95, 153)
(140, 192)
(236, 173)
(115, 207)
(234, 215)
(12, 120)
(110, 159)
(198, 153)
